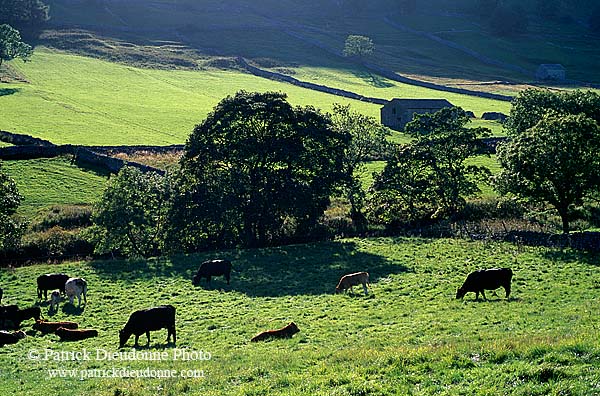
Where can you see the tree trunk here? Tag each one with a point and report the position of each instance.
(564, 216)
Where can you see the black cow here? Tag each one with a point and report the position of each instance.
(147, 320)
(10, 338)
(51, 282)
(11, 316)
(489, 279)
(211, 268)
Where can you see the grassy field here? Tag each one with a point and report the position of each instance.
(44, 182)
(87, 101)
(409, 337)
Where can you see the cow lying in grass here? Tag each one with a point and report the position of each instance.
(50, 327)
(7, 337)
(212, 268)
(75, 335)
(285, 332)
(11, 316)
(51, 282)
(75, 287)
(489, 279)
(358, 278)
(147, 320)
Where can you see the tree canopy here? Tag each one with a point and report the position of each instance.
(257, 170)
(28, 16)
(430, 178)
(10, 199)
(11, 45)
(556, 161)
(358, 46)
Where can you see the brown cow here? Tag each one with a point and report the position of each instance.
(50, 327)
(75, 335)
(358, 278)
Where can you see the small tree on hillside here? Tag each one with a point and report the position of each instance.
(357, 46)
(11, 45)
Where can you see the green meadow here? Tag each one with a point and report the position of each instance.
(80, 100)
(45, 182)
(410, 336)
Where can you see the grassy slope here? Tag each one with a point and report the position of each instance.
(73, 99)
(44, 182)
(411, 337)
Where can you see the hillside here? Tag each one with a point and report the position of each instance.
(440, 40)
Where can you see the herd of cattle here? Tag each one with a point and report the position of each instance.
(163, 317)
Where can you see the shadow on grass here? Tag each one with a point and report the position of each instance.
(289, 270)
(373, 79)
(70, 309)
(8, 91)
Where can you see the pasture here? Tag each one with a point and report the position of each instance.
(44, 182)
(71, 99)
(410, 337)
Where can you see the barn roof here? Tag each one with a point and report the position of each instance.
(421, 103)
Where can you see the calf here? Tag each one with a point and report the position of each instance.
(50, 327)
(51, 282)
(347, 281)
(285, 332)
(75, 335)
(212, 268)
(54, 300)
(76, 287)
(489, 279)
(147, 320)
(7, 337)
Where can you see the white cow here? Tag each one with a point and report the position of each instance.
(358, 278)
(76, 287)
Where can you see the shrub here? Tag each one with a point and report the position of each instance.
(64, 216)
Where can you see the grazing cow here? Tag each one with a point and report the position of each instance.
(6, 314)
(285, 332)
(12, 318)
(50, 327)
(489, 279)
(358, 278)
(75, 335)
(51, 282)
(211, 268)
(76, 287)
(7, 337)
(147, 320)
(54, 300)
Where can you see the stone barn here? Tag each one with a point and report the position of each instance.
(397, 113)
(554, 72)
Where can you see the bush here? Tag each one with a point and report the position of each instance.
(491, 208)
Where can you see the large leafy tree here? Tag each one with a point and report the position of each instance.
(556, 161)
(368, 140)
(431, 177)
(11, 45)
(28, 16)
(256, 170)
(533, 104)
(133, 213)
(10, 199)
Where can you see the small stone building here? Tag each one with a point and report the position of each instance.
(398, 112)
(553, 72)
